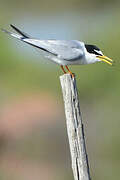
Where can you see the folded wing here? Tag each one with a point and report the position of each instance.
(67, 50)
(62, 49)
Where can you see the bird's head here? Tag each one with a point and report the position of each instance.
(96, 54)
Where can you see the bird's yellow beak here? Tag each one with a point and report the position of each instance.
(105, 59)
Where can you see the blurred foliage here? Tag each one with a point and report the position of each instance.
(98, 84)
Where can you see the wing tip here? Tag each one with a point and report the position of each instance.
(11, 25)
(19, 31)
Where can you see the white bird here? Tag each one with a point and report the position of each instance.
(64, 52)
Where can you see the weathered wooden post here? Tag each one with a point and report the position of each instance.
(75, 128)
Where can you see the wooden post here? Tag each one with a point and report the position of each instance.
(75, 128)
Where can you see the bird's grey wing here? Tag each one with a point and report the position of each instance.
(67, 50)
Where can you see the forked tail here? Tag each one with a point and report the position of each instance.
(21, 35)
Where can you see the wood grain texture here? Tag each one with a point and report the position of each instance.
(75, 128)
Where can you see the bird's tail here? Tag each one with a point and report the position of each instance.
(21, 35)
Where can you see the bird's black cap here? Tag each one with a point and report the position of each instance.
(92, 48)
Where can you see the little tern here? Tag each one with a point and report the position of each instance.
(64, 52)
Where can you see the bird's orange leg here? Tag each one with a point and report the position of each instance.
(70, 71)
(63, 69)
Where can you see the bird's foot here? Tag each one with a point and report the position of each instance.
(70, 72)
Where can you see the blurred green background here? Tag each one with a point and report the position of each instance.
(33, 138)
